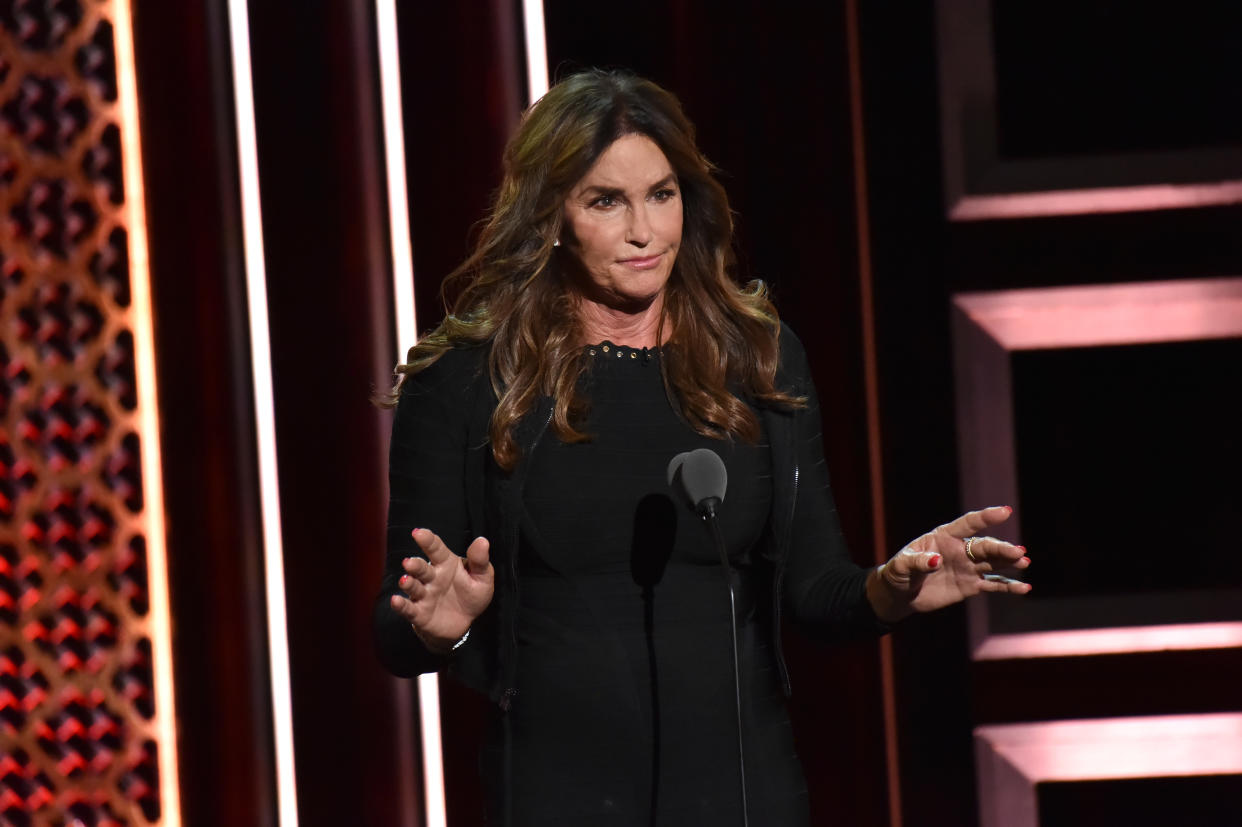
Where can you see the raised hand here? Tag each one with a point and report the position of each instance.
(443, 594)
(947, 565)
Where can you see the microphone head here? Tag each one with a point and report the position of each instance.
(702, 474)
(674, 466)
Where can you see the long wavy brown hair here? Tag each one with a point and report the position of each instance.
(513, 292)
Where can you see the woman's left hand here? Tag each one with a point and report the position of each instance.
(936, 570)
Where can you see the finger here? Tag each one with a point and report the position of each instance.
(403, 607)
(432, 545)
(972, 522)
(925, 562)
(991, 553)
(413, 589)
(419, 569)
(909, 562)
(999, 584)
(477, 557)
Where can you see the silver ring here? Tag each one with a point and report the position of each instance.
(970, 541)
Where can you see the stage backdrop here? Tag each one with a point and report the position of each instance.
(1009, 237)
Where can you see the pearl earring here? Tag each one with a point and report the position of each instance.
(556, 243)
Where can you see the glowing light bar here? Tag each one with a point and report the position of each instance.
(148, 415)
(1013, 758)
(404, 304)
(265, 415)
(1099, 200)
(1045, 318)
(394, 162)
(1180, 636)
(434, 804)
(536, 50)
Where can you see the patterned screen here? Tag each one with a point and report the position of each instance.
(78, 719)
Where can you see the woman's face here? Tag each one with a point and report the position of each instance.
(623, 224)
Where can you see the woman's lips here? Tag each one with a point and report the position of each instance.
(645, 263)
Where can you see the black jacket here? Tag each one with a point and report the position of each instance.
(442, 477)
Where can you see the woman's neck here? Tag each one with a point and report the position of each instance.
(637, 328)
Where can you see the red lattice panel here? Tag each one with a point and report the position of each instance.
(77, 699)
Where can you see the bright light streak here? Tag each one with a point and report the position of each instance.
(142, 326)
(1142, 747)
(1067, 642)
(404, 305)
(435, 806)
(536, 50)
(1099, 200)
(1091, 315)
(265, 414)
(394, 162)
(433, 760)
(1013, 758)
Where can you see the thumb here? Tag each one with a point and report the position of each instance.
(908, 562)
(477, 563)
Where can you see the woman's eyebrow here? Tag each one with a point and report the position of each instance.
(600, 189)
(603, 189)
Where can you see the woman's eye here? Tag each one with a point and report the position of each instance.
(604, 201)
(665, 194)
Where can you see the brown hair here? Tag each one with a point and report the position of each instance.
(512, 292)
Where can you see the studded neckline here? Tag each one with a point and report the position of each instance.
(607, 351)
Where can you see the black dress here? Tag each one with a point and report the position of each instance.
(626, 711)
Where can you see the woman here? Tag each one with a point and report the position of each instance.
(597, 334)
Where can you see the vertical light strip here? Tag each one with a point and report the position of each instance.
(264, 412)
(404, 306)
(143, 331)
(536, 50)
(434, 804)
(394, 163)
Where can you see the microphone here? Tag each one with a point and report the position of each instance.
(703, 479)
(701, 476)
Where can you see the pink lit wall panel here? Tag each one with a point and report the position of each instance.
(1013, 758)
(1011, 152)
(988, 329)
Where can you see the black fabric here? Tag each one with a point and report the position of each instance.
(623, 625)
(442, 478)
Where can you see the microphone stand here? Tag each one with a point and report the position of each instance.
(707, 510)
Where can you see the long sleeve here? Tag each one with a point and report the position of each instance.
(824, 590)
(427, 489)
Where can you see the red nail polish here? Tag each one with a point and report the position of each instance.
(934, 562)
(1008, 508)
(405, 578)
(1023, 549)
(1026, 560)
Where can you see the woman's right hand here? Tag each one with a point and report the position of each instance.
(442, 595)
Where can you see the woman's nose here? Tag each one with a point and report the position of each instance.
(639, 230)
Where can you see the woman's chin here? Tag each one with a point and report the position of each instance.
(633, 303)
(630, 302)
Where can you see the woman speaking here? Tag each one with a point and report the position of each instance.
(632, 646)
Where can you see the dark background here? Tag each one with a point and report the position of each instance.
(853, 237)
